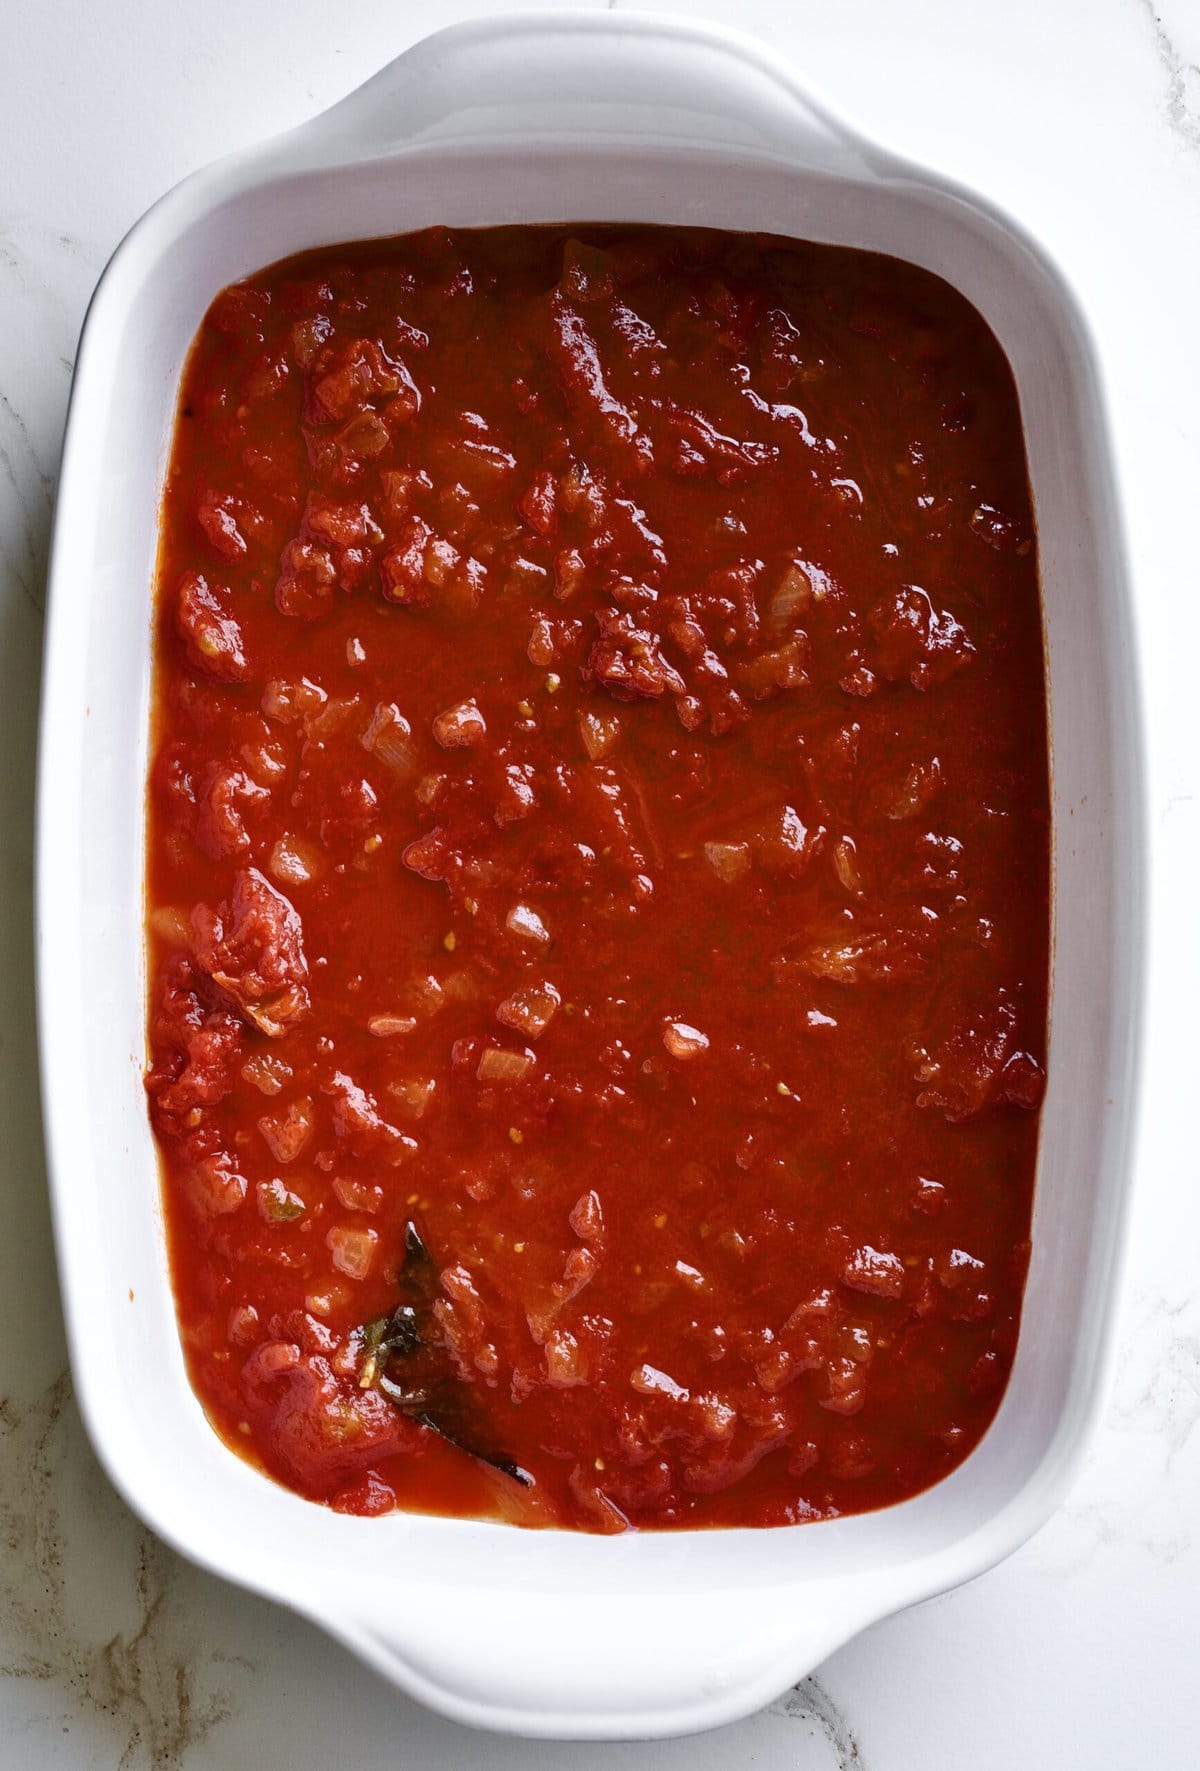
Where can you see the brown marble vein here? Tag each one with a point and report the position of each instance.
(92, 1604)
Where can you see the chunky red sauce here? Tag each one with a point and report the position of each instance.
(598, 875)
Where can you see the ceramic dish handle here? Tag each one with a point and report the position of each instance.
(587, 75)
(590, 1664)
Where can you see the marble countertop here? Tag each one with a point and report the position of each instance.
(1081, 116)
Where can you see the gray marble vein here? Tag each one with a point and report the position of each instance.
(1182, 78)
(28, 488)
(810, 1702)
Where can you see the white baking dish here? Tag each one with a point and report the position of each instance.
(596, 117)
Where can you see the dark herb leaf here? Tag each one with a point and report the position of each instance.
(410, 1400)
(401, 1333)
(505, 1465)
(416, 1255)
(406, 1362)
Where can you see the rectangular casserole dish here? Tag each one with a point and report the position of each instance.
(540, 119)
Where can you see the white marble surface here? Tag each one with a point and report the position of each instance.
(1083, 116)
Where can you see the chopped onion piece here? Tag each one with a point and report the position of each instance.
(442, 560)
(459, 727)
(334, 718)
(540, 650)
(357, 1195)
(683, 1041)
(387, 1026)
(288, 1129)
(502, 1066)
(214, 1187)
(876, 1272)
(783, 842)
(264, 762)
(295, 861)
(690, 1275)
(171, 925)
(527, 924)
(845, 864)
(272, 1359)
(353, 1250)
(277, 1204)
(243, 1325)
(413, 1094)
(801, 585)
(424, 994)
(461, 986)
(717, 1418)
(389, 737)
(529, 1011)
(730, 861)
(599, 731)
(266, 1073)
(905, 798)
(566, 1362)
(586, 1218)
(652, 1382)
(287, 701)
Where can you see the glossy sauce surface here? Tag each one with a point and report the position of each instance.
(598, 875)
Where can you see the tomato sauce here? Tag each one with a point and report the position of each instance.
(598, 880)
